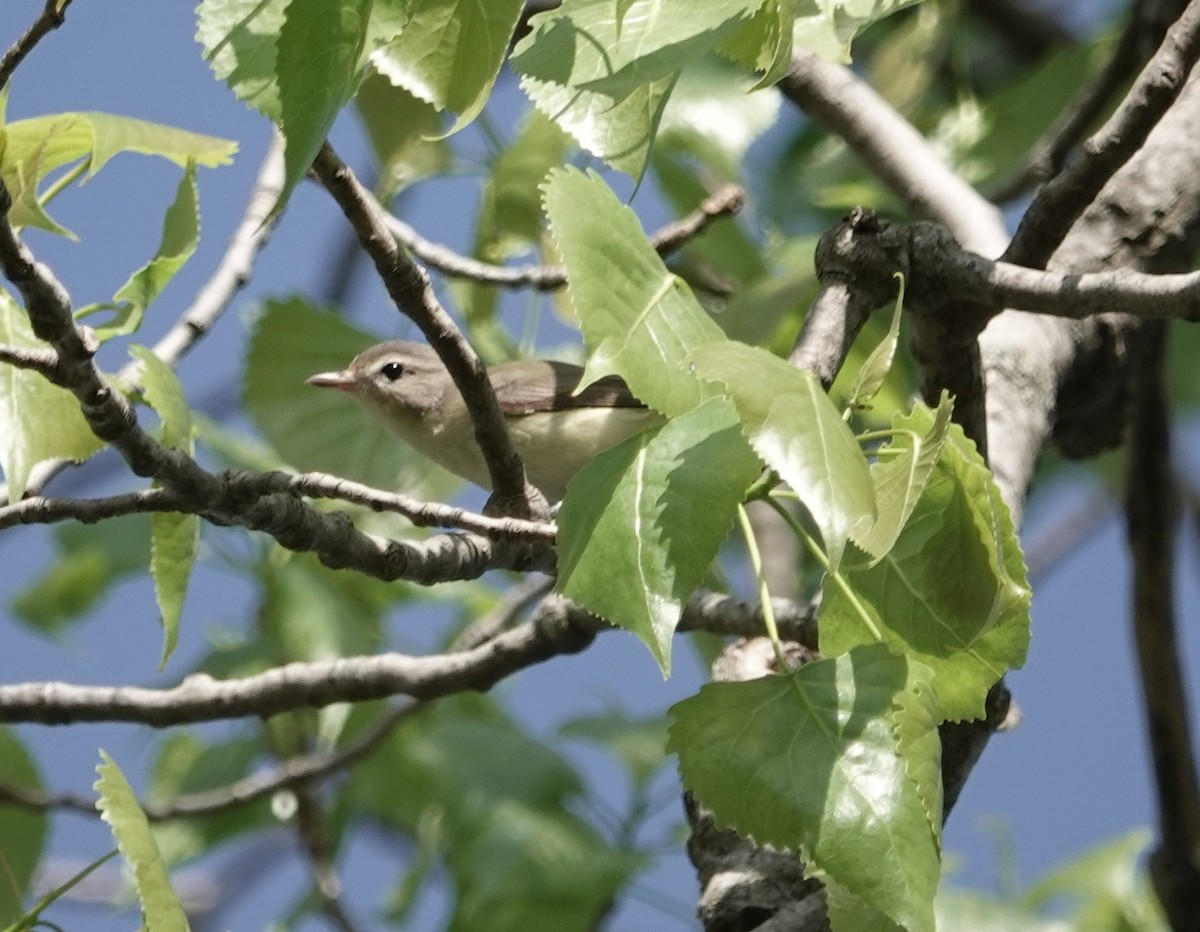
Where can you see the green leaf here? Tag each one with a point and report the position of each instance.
(174, 538)
(764, 42)
(31, 919)
(811, 761)
(119, 807)
(497, 804)
(631, 514)
(38, 146)
(318, 54)
(239, 39)
(450, 51)
(951, 593)
(91, 559)
(870, 378)
(619, 130)
(902, 470)
(603, 72)
(181, 234)
(38, 421)
(399, 127)
(22, 831)
(594, 46)
(795, 428)
(639, 320)
(829, 28)
(314, 428)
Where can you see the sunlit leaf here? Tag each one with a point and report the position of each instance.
(181, 234)
(174, 536)
(632, 514)
(952, 590)
(318, 56)
(795, 428)
(449, 53)
(810, 761)
(119, 807)
(639, 320)
(38, 420)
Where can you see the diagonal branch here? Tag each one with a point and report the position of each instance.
(53, 15)
(1144, 31)
(1059, 204)
(409, 287)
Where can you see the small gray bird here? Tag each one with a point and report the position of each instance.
(557, 432)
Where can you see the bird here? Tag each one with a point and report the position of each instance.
(556, 428)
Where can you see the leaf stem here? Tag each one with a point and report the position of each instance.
(815, 549)
(764, 592)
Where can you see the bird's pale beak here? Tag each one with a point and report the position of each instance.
(341, 380)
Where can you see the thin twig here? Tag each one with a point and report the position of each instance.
(311, 827)
(1058, 205)
(725, 202)
(1150, 505)
(54, 13)
(1142, 34)
(233, 271)
(409, 287)
(43, 361)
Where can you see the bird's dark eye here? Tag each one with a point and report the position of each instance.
(391, 370)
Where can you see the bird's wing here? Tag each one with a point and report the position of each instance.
(549, 387)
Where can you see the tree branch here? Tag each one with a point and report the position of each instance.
(53, 15)
(1142, 34)
(409, 287)
(670, 238)
(1150, 504)
(558, 627)
(1059, 204)
(893, 149)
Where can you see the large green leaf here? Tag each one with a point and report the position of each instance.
(619, 130)
(952, 590)
(181, 234)
(632, 514)
(315, 428)
(119, 807)
(639, 320)
(450, 51)
(38, 420)
(35, 147)
(22, 831)
(174, 537)
(603, 71)
(497, 805)
(319, 51)
(811, 760)
(795, 428)
(614, 48)
(239, 38)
